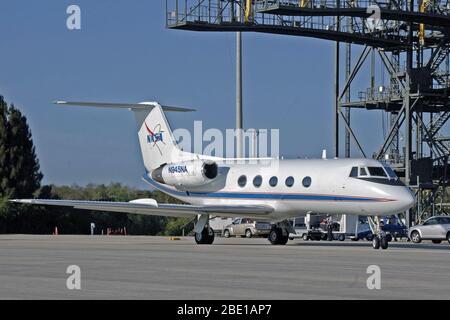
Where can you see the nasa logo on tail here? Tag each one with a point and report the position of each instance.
(155, 136)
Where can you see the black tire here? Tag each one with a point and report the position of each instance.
(305, 237)
(248, 233)
(205, 237)
(384, 243)
(415, 237)
(284, 240)
(376, 242)
(226, 233)
(389, 237)
(199, 238)
(276, 237)
(448, 237)
(341, 237)
(211, 236)
(436, 241)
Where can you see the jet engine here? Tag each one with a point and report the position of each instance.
(194, 173)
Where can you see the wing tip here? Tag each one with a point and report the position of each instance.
(24, 201)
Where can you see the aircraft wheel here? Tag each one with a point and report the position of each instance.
(384, 243)
(205, 237)
(276, 237)
(376, 242)
(211, 236)
(284, 240)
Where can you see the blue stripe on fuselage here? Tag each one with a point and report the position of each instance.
(263, 196)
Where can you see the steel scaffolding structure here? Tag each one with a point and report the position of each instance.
(409, 39)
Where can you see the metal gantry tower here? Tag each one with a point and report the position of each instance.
(408, 39)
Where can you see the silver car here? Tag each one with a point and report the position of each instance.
(248, 228)
(435, 229)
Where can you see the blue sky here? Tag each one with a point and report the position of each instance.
(123, 53)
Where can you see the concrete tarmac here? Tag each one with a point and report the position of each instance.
(34, 267)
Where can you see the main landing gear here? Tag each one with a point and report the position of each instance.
(380, 238)
(279, 235)
(203, 233)
(205, 237)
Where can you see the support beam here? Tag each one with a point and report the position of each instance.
(347, 126)
(358, 65)
(348, 61)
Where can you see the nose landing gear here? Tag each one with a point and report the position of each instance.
(380, 238)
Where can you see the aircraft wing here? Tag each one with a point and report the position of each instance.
(152, 208)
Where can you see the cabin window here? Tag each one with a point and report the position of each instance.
(242, 181)
(377, 172)
(354, 172)
(289, 181)
(307, 182)
(362, 172)
(257, 181)
(273, 181)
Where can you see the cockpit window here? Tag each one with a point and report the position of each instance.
(362, 172)
(377, 172)
(382, 175)
(390, 172)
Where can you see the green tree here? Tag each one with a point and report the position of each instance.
(24, 176)
(3, 145)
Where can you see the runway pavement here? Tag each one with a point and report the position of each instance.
(34, 267)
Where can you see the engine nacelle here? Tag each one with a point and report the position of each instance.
(193, 173)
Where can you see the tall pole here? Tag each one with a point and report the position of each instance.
(336, 102)
(239, 121)
(336, 91)
(408, 113)
(407, 102)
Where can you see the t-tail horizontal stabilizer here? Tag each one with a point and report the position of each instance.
(141, 105)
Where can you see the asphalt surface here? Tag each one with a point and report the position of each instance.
(34, 267)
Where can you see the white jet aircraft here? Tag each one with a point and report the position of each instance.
(270, 190)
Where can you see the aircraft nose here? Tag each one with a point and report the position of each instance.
(407, 199)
